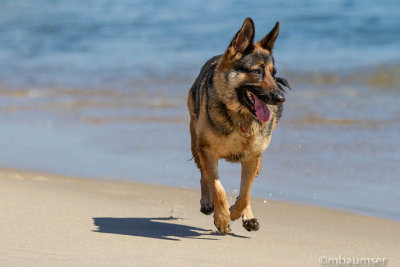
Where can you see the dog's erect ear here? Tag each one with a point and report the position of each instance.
(269, 40)
(243, 39)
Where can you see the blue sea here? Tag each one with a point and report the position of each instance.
(98, 89)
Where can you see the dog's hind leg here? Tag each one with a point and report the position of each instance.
(242, 207)
(206, 203)
(209, 167)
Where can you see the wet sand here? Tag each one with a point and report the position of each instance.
(50, 220)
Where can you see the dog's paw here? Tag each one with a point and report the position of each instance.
(251, 224)
(222, 223)
(223, 228)
(207, 209)
(235, 212)
(206, 204)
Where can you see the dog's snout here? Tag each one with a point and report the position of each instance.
(278, 98)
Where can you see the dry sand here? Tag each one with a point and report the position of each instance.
(49, 220)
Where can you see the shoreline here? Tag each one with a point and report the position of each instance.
(54, 219)
(230, 194)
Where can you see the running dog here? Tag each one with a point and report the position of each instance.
(234, 105)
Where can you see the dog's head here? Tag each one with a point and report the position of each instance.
(248, 69)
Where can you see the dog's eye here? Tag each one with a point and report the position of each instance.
(257, 71)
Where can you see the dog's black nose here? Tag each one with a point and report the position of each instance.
(278, 98)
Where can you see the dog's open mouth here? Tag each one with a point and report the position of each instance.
(257, 107)
(257, 100)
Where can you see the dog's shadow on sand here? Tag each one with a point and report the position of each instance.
(159, 228)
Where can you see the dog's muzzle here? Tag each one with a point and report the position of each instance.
(273, 98)
(269, 97)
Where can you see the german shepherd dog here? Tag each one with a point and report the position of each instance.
(234, 105)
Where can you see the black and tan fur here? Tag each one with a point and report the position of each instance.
(223, 123)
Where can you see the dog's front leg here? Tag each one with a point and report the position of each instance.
(250, 168)
(209, 165)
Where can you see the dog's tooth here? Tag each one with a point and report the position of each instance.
(250, 96)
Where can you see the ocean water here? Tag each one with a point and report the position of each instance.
(98, 89)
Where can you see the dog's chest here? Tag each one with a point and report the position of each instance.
(239, 146)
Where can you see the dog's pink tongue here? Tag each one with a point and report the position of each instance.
(262, 111)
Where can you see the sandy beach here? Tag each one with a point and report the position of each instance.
(50, 220)
(95, 158)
